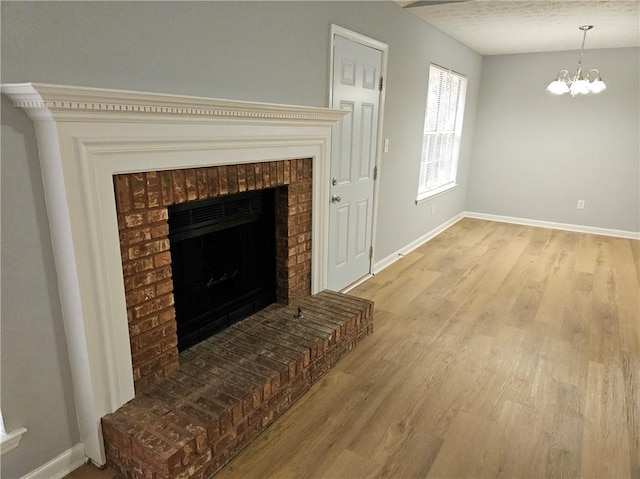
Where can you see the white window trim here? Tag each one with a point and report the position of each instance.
(429, 194)
(9, 441)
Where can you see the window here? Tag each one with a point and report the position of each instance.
(442, 131)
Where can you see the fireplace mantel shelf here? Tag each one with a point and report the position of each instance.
(85, 137)
(39, 97)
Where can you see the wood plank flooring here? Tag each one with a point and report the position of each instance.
(499, 351)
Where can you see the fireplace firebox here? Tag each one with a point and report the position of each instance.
(223, 260)
(258, 212)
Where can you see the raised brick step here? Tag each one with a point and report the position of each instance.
(230, 387)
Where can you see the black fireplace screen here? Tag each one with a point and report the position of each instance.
(223, 261)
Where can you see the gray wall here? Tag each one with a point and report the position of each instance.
(536, 154)
(274, 52)
(36, 382)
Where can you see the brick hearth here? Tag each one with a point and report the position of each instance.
(141, 203)
(231, 387)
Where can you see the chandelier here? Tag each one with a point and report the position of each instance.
(581, 82)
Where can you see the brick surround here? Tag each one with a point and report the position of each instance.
(141, 203)
(231, 387)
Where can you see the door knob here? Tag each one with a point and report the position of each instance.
(335, 199)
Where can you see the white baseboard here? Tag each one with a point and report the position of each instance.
(356, 284)
(392, 258)
(558, 226)
(60, 466)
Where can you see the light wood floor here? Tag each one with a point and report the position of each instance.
(498, 351)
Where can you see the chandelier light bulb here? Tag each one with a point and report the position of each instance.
(580, 87)
(597, 86)
(558, 87)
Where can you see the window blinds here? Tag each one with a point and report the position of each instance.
(442, 130)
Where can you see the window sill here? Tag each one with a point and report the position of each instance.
(9, 441)
(433, 193)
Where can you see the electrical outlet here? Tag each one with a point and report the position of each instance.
(386, 145)
(433, 210)
(580, 204)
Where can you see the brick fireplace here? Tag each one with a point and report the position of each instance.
(88, 136)
(194, 411)
(141, 204)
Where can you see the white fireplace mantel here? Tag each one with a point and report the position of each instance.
(85, 136)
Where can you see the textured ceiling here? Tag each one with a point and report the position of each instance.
(494, 27)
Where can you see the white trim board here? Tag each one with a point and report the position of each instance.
(61, 465)
(378, 266)
(392, 258)
(550, 224)
(10, 440)
(356, 283)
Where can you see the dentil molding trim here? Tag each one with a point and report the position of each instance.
(63, 98)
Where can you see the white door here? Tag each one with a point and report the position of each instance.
(356, 88)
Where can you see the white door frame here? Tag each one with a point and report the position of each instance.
(384, 48)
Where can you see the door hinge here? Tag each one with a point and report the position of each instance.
(375, 172)
(381, 83)
(370, 252)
